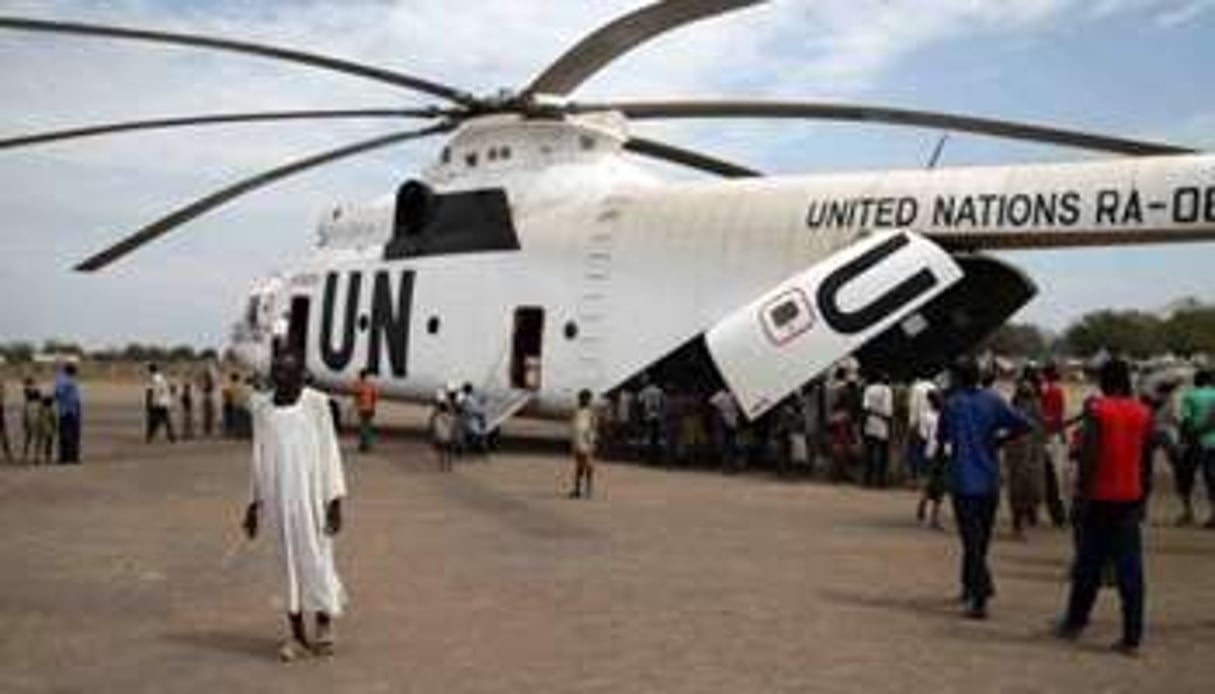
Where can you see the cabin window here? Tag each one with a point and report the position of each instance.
(571, 330)
(470, 159)
(432, 325)
(506, 152)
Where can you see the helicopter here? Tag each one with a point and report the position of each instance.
(535, 258)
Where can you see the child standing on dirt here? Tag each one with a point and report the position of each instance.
(442, 432)
(584, 435)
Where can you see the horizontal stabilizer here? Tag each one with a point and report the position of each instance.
(770, 347)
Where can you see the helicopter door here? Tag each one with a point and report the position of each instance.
(297, 328)
(525, 348)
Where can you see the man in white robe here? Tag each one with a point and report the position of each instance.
(297, 487)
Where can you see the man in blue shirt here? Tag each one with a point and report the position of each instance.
(973, 423)
(67, 402)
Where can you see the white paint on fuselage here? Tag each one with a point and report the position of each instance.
(640, 267)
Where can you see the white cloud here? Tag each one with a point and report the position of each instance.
(1184, 14)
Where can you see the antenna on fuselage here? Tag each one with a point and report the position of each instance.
(937, 151)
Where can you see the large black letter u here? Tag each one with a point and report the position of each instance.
(852, 322)
(337, 359)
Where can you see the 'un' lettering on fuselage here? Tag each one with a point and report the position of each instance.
(385, 320)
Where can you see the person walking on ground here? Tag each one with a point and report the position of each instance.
(1115, 445)
(443, 431)
(1159, 398)
(917, 404)
(654, 415)
(8, 451)
(725, 429)
(228, 406)
(1198, 433)
(298, 486)
(160, 402)
(584, 436)
(934, 461)
(878, 403)
(31, 401)
(45, 430)
(844, 448)
(206, 389)
(1054, 407)
(973, 423)
(187, 409)
(364, 403)
(472, 419)
(67, 404)
(1024, 458)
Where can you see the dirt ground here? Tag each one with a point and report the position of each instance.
(128, 574)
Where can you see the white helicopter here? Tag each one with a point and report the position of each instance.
(535, 259)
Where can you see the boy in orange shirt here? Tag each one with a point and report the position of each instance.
(364, 401)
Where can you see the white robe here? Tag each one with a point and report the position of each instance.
(297, 471)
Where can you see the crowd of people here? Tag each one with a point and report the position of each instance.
(50, 420)
(971, 438)
(965, 436)
(849, 428)
(170, 404)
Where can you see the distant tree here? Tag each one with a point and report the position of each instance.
(1134, 333)
(62, 347)
(137, 352)
(209, 354)
(1020, 340)
(1190, 330)
(18, 352)
(181, 353)
(106, 354)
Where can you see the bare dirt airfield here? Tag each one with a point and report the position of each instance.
(118, 576)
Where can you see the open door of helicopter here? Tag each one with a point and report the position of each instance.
(526, 346)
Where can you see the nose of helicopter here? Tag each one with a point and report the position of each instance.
(251, 342)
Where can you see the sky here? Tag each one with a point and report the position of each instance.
(1136, 68)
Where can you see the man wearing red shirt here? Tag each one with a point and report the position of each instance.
(1114, 450)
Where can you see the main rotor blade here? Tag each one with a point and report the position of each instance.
(883, 114)
(211, 119)
(687, 157)
(199, 207)
(609, 42)
(266, 51)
